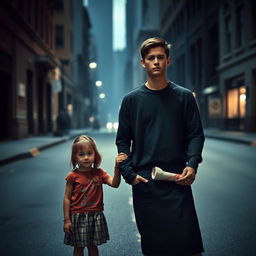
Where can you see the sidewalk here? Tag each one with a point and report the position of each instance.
(14, 150)
(233, 136)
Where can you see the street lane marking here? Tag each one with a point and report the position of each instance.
(130, 200)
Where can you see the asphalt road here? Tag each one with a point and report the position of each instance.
(31, 194)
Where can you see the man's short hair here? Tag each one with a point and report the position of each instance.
(152, 43)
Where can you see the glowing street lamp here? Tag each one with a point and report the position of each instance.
(102, 95)
(98, 83)
(92, 65)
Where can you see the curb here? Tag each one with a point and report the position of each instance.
(36, 151)
(241, 141)
(31, 152)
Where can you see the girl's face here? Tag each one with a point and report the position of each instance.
(85, 156)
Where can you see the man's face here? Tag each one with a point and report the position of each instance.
(156, 62)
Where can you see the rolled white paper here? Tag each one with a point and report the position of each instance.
(158, 174)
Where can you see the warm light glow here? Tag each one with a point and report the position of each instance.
(237, 102)
(91, 119)
(98, 83)
(242, 98)
(70, 109)
(242, 101)
(102, 95)
(93, 65)
(233, 103)
(243, 90)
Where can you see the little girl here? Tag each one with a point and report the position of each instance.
(84, 222)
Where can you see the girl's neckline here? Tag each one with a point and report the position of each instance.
(89, 171)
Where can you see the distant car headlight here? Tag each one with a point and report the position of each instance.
(115, 125)
(109, 125)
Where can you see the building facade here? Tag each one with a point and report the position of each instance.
(43, 67)
(72, 43)
(81, 58)
(192, 27)
(212, 54)
(27, 56)
(237, 66)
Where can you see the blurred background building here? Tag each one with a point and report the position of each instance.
(44, 70)
(58, 57)
(72, 42)
(213, 54)
(27, 56)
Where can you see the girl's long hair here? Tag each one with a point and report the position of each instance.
(85, 139)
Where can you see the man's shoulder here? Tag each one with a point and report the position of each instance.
(134, 93)
(180, 89)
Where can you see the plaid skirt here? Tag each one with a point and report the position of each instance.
(87, 228)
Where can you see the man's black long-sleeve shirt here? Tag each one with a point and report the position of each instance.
(159, 128)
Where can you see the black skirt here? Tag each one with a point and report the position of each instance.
(166, 218)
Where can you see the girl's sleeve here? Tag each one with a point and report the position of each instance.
(70, 177)
(104, 175)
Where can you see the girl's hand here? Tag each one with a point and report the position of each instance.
(67, 227)
(120, 158)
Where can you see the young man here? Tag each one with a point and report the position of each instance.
(159, 125)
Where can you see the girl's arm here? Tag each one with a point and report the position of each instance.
(116, 179)
(66, 208)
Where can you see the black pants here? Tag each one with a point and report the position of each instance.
(166, 218)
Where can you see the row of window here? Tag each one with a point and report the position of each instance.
(38, 15)
(239, 29)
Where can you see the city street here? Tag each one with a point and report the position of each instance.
(31, 190)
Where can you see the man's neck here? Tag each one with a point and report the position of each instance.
(156, 83)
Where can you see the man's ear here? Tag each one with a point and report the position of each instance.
(142, 63)
(168, 61)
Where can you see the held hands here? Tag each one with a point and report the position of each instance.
(187, 177)
(120, 158)
(67, 226)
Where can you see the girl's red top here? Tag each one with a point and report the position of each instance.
(87, 194)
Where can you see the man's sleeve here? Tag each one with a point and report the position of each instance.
(123, 142)
(194, 133)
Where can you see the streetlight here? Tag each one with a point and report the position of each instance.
(92, 65)
(102, 95)
(98, 83)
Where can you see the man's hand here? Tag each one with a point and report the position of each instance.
(187, 177)
(139, 179)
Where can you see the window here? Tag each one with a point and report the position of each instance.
(59, 36)
(253, 20)
(237, 102)
(239, 26)
(228, 32)
(233, 103)
(59, 5)
(213, 50)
